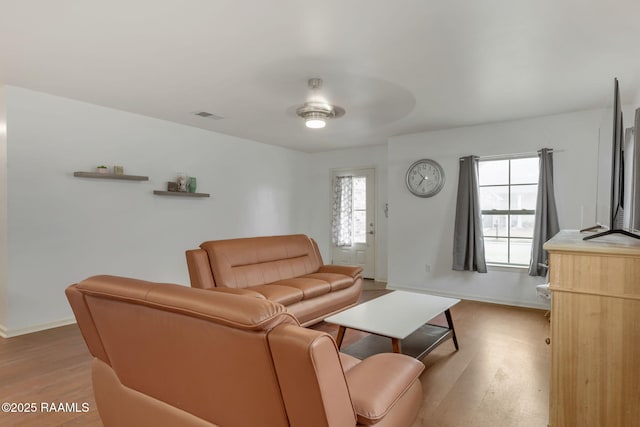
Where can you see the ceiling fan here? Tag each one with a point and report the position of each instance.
(316, 111)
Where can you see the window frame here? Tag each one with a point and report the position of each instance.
(508, 212)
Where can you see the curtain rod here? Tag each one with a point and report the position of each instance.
(513, 155)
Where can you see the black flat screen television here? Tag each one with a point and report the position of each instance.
(612, 179)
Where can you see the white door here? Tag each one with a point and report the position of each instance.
(359, 249)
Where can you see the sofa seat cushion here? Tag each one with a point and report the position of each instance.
(310, 287)
(285, 295)
(335, 280)
(347, 361)
(347, 270)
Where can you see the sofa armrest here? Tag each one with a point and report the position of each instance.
(199, 269)
(347, 270)
(378, 382)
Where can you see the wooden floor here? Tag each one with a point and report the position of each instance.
(498, 378)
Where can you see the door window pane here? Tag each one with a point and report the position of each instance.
(359, 209)
(359, 193)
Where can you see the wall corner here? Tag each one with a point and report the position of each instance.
(4, 309)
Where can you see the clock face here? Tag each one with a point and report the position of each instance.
(425, 178)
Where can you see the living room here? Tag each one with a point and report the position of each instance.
(56, 229)
(74, 228)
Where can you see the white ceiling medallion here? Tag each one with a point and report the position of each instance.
(316, 112)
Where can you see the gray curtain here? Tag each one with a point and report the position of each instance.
(468, 241)
(546, 222)
(342, 211)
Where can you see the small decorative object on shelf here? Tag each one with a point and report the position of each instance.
(182, 182)
(183, 186)
(118, 170)
(102, 169)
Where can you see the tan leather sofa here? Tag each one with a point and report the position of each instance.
(285, 269)
(170, 355)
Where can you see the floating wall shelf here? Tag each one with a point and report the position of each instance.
(110, 176)
(179, 194)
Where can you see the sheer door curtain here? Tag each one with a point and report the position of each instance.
(342, 211)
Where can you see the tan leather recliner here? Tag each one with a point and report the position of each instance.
(169, 355)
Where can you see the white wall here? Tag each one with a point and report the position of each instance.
(319, 211)
(3, 210)
(421, 230)
(63, 229)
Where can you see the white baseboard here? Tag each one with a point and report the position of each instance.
(8, 333)
(439, 292)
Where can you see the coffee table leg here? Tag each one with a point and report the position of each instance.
(340, 336)
(396, 345)
(447, 313)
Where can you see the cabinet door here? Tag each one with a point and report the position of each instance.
(595, 353)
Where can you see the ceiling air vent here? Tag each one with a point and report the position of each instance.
(208, 115)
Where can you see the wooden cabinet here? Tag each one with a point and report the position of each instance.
(595, 331)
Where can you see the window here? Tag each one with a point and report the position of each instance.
(508, 192)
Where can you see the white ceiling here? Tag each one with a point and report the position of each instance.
(396, 66)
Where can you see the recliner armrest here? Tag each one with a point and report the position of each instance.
(238, 291)
(378, 382)
(347, 270)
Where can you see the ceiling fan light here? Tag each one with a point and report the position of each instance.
(316, 113)
(315, 119)
(315, 123)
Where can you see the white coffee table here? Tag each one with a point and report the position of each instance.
(401, 316)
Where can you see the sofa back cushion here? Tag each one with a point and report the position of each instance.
(241, 263)
(203, 352)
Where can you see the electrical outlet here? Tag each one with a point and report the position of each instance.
(427, 268)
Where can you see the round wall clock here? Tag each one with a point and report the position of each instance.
(425, 178)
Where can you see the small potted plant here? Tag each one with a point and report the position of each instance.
(102, 169)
